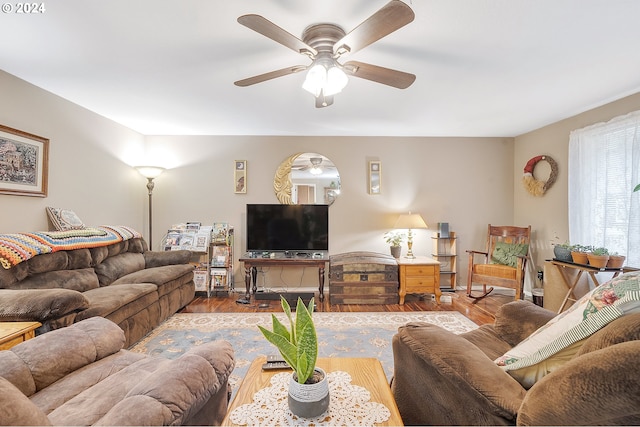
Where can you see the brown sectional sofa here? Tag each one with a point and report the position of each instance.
(124, 282)
(80, 375)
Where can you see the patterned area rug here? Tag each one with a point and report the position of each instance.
(339, 334)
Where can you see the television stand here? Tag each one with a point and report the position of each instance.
(279, 260)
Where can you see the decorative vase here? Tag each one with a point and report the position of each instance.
(562, 254)
(396, 251)
(309, 400)
(579, 257)
(598, 261)
(616, 261)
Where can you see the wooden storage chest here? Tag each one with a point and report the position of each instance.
(363, 278)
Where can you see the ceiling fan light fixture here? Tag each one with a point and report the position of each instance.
(325, 76)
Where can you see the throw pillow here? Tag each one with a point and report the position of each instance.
(607, 302)
(64, 219)
(507, 253)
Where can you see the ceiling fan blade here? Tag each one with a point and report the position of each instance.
(386, 76)
(267, 28)
(270, 75)
(393, 16)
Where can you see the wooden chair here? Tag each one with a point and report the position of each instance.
(490, 272)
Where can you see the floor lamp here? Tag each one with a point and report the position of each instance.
(150, 172)
(410, 221)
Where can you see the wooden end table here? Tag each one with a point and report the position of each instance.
(13, 333)
(419, 275)
(365, 372)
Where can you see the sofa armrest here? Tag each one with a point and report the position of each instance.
(442, 379)
(160, 258)
(516, 320)
(597, 388)
(179, 390)
(19, 305)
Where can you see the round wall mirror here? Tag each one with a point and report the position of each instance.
(307, 179)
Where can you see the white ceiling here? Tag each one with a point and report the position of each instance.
(483, 67)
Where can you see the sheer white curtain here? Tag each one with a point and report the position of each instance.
(604, 167)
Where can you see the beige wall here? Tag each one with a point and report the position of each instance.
(548, 215)
(468, 182)
(88, 156)
(464, 181)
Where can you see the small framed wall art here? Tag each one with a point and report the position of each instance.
(375, 178)
(240, 176)
(24, 163)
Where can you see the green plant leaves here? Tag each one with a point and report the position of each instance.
(298, 346)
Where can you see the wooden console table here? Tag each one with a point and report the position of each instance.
(280, 260)
(581, 268)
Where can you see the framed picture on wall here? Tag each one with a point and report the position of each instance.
(375, 178)
(24, 163)
(240, 176)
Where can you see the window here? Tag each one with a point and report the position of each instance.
(604, 164)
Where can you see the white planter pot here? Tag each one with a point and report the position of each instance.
(309, 400)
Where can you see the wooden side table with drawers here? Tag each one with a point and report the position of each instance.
(419, 275)
(13, 333)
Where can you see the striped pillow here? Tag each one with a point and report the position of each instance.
(607, 302)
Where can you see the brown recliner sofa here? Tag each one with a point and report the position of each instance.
(123, 281)
(445, 379)
(80, 375)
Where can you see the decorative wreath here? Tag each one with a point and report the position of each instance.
(534, 186)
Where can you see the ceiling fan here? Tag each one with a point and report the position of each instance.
(314, 165)
(325, 43)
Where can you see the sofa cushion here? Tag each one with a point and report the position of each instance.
(117, 266)
(124, 299)
(160, 258)
(16, 408)
(168, 277)
(596, 309)
(626, 328)
(597, 388)
(69, 349)
(78, 280)
(39, 304)
(78, 381)
(17, 372)
(151, 391)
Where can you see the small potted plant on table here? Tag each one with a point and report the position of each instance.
(579, 254)
(394, 239)
(308, 386)
(598, 257)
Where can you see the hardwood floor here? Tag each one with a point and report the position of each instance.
(481, 312)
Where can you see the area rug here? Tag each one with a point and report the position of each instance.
(339, 334)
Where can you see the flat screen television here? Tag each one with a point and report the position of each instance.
(274, 227)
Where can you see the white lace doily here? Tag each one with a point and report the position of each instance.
(349, 405)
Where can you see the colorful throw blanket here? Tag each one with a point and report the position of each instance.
(19, 247)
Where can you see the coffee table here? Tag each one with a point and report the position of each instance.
(365, 372)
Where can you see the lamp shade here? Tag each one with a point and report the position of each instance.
(150, 171)
(410, 221)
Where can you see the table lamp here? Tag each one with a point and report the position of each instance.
(410, 221)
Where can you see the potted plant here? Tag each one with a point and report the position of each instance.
(394, 239)
(579, 254)
(615, 260)
(562, 251)
(598, 257)
(298, 345)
